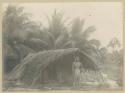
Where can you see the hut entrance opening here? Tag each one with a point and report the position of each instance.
(59, 71)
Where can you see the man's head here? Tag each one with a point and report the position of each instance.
(77, 59)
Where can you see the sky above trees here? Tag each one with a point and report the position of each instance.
(106, 17)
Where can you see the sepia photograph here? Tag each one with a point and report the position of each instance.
(62, 46)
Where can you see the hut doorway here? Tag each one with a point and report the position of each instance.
(49, 74)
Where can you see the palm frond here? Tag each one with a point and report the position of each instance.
(88, 31)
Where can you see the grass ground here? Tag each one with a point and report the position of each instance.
(58, 87)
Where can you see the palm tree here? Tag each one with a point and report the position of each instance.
(14, 25)
(56, 35)
(114, 44)
(14, 20)
(97, 50)
(79, 37)
(96, 46)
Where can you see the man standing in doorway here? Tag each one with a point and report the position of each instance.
(76, 66)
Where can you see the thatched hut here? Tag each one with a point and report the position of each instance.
(51, 65)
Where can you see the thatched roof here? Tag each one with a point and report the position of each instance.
(7, 50)
(36, 62)
(24, 50)
(36, 44)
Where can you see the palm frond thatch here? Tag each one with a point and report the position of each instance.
(29, 70)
